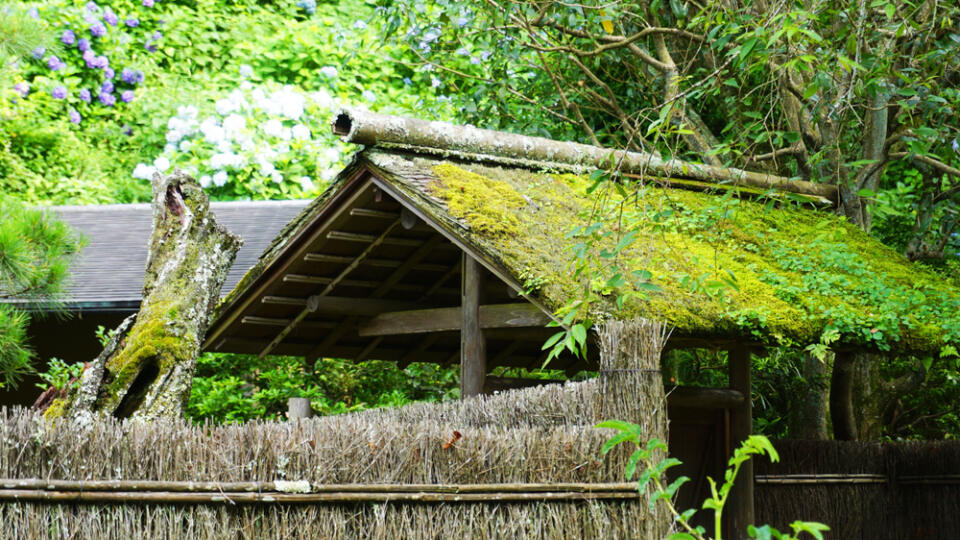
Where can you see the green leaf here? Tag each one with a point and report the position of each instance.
(552, 340)
(579, 333)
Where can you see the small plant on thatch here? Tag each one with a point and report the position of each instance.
(654, 473)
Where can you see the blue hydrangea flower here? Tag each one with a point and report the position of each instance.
(68, 37)
(107, 87)
(107, 99)
(39, 52)
(150, 47)
(92, 6)
(59, 92)
(126, 96)
(128, 76)
(97, 29)
(147, 3)
(110, 17)
(22, 88)
(33, 13)
(74, 116)
(83, 44)
(102, 62)
(127, 130)
(310, 6)
(132, 22)
(156, 36)
(84, 95)
(109, 73)
(55, 64)
(90, 58)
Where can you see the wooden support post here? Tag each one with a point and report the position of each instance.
(299, 407)
(473, 347)
(741, 426)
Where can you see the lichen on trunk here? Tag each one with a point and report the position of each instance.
(146, 371)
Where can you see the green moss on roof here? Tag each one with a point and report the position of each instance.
(724, 266)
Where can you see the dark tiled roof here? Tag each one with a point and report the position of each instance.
(108, 273)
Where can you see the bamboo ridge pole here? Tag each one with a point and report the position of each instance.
(364, 127)
(189, 486)
(171, 492)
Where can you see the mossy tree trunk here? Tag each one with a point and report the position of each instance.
(146, 371)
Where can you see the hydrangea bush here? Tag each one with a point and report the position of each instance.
(98, 63)
(259, 142)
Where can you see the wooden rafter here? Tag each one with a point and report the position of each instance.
(374, 243)
(381, 263)
(423, 249)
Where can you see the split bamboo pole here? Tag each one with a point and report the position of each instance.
(364, 127)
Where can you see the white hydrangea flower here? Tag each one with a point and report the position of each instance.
(276, 177)
(185, 146)
(369, 96)
(187, 112)
(272, 127)
(301, 132)
(233, 125)
(220, 178)
(306, 183)
(329, 72)
(162, 164)
(204, 181)
(359, 25)
(225, 107)
(144, 171)
(323, 99)
(174, 136)
(246, 70)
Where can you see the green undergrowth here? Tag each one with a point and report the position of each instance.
(710, 265)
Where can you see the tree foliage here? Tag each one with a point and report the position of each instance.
(35, 251)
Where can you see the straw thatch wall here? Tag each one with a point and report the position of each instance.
(864, 490)
(532, 435)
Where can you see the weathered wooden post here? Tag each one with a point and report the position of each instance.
(631, 389)
(741, 426)
(473, 347)
(299, 407)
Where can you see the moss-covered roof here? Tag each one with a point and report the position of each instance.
(712, 265)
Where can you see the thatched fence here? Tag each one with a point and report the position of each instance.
(521, 464)
(864, 490)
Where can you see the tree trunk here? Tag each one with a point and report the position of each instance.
(810, 419)
(146, 371)
(860, 400)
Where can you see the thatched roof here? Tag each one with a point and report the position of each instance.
(108, 273)
(721, 266)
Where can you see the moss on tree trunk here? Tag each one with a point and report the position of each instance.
(146, 371)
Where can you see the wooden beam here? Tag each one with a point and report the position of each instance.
(379, 263)
(366, 307)
(473, 347)
(422, 251)
(374, 243)
(369, 238)
(704, 398)
(275, 321)
(371, 213)
(422, 321)
(741, 426)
